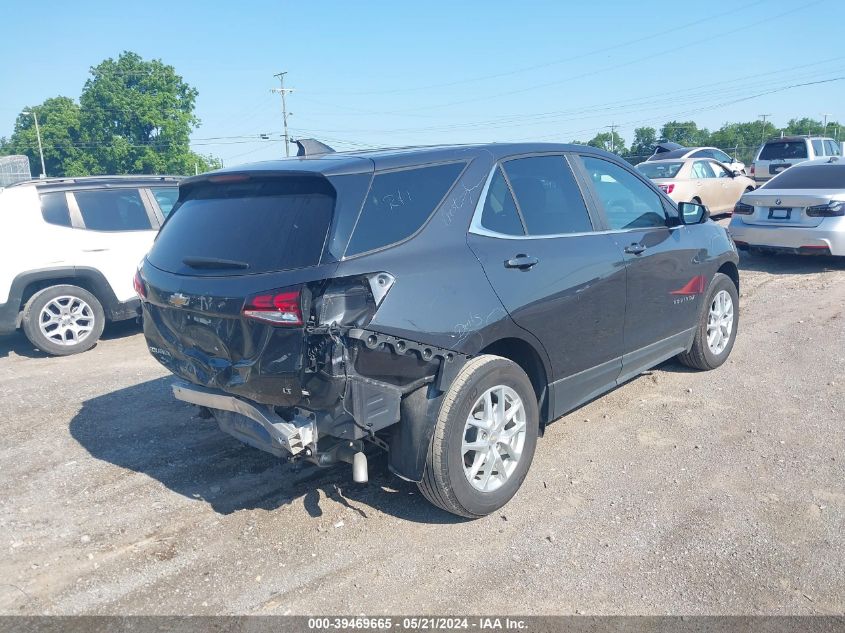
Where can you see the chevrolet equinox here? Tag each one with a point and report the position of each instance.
(442, 304)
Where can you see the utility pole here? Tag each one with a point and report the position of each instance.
(825, 115)
(283, 91)
(612, 127)
(38, 135)
(763, 126)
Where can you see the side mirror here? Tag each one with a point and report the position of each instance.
(692, 213)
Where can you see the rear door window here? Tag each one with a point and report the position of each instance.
(54, 208)
(718, 170)
(702, 169)
(783, 150)
(258, 225)
(628, 202)
(165, 197)
(499, 213)
(399, 203)
(113, 210)
(548, 196)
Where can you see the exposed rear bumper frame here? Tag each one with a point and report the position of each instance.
(279, 437)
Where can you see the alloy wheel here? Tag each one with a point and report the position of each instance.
(66, 320)
(720, 322)
(493, 438)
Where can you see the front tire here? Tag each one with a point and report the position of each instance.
(63, 320)
(716, 331)
(484, 438)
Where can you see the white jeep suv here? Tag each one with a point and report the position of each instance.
(68, 251)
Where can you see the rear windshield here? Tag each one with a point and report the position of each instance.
(783, 149)
(660, 170)
(260, 225)
(809, 177)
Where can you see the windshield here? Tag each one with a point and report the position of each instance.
(259, 225)
(810, 177)
(784, 149)
(660, 170)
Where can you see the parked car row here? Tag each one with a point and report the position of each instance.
(709, 176)
(442, 304)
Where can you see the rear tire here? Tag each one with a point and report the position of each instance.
(476, 463)
(716, 331)
(63, 320)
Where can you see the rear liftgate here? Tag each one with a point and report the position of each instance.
(353, 381)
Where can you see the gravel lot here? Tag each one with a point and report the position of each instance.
(680, 492)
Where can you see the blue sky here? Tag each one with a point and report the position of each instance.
(397, 73)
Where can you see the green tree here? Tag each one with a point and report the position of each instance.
(645, 138)
(59, 121)
(608, 141)
(804, 125)
(686, 133)
(137, 117)
(743, 139)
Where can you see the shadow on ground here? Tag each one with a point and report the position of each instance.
(788, 264)
(142, 428)
(16, 343)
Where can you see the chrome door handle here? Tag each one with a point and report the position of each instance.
(635, 249)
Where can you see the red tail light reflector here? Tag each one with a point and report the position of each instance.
(279, 307)
(140, 286)
(668, 188)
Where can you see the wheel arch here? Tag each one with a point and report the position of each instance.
(26, 285)
(730, 269)
(525, 355)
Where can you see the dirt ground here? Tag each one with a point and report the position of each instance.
(679, 492)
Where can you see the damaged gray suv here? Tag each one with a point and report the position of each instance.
(442, 304)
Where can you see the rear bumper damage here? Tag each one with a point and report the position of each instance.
(370, 374)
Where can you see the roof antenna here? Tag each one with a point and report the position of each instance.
(311, 147)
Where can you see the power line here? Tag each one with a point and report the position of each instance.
(675, 28)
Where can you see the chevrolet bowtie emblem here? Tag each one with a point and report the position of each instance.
(179, 300)
(777, 200)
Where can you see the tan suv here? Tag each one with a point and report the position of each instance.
(703, 181)
(779, 154)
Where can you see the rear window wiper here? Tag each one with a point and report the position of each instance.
(213, 262)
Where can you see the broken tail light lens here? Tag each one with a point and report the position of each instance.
(743, 209)
(830, 210)
(139, 285)
(668, 188)
(279, 307)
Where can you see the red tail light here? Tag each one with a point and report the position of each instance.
(140, 286)
(751, 172)
(279, 307)
(667, 189)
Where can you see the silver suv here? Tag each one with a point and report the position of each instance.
(781, 153)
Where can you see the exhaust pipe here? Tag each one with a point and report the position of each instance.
(351, 453)
(360, 471)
